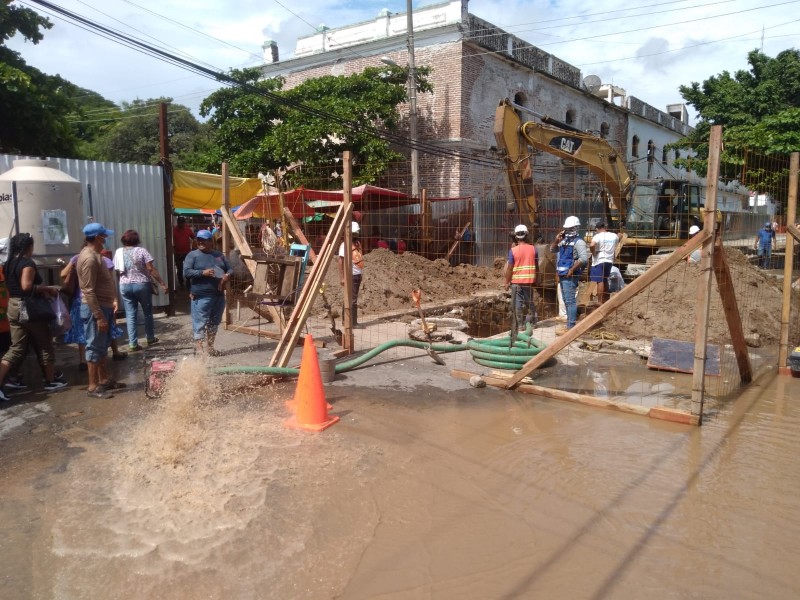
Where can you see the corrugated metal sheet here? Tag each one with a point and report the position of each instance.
(120, 196)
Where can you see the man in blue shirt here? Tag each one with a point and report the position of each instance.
(207, 271)
(765, 243)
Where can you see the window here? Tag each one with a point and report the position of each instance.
(570, 119)
(604, 129)
(635, 146)
(677, 154)
(519, 98)
(651, 151)
(664, 156)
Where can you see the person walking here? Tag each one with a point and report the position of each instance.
(182, 240)
(134, 283)
(25, 284)
(358, 269)
(207, 271)
(603, 248)
(98, 296)
(765, 244)
(573, 256)
(520, 275)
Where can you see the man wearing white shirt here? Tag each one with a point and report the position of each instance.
(602, 247)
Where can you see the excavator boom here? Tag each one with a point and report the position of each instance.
(595, 153)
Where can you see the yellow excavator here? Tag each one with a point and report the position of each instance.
(648, 214)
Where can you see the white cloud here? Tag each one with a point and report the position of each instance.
(648, 49)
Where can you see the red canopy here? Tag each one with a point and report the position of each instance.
(368, 197)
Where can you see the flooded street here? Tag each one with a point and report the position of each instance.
(416, 493)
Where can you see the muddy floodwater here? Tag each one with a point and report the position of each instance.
(415, 493)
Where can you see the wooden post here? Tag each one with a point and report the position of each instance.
(732, 315)
(425, 225)
(629, 291)
(165, 179)
(703, 304)
(226, 205)
(348, 343)
(791, 215)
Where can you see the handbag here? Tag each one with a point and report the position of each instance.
(35, 309)
(63, 321)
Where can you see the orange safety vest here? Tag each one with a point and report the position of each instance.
(524, 270)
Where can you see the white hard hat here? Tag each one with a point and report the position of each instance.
(520, 231)
(694, 229)
(354, 227)
(572, 222)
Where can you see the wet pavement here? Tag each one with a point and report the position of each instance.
(426, 488)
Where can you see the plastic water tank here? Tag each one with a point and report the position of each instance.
(49, 207)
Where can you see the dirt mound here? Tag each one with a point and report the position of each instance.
(667, 308)
(389, 279)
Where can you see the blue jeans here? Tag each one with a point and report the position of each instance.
(764, 253)
(206, 315)
(97, 342)
(521, 296)
(133, 296)
(569, 289)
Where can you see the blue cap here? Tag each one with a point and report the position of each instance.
(204, 234)
(93, 229)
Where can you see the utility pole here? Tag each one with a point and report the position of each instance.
(412, 102)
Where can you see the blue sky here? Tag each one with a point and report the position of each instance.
(649, 50)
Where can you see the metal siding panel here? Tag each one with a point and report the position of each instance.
(124, 196)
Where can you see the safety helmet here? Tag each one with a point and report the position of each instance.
(767, 225)
(520, 231)
(694, 229)
(572, 222)
(354, 227)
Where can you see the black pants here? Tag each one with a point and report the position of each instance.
(179, 258)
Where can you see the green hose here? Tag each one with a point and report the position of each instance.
(498, 353)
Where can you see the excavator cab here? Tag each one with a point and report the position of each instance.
(663, 209)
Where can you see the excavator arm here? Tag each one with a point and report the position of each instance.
(595, 153)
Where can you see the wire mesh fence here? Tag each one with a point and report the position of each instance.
(451, 246)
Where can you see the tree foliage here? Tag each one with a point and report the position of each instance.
(133, 134)
(35, 106)
(259, 126)
(759, 110)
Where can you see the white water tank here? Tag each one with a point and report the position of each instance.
(49, 207)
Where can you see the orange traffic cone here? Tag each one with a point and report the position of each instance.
(309, 398)
(308, 347)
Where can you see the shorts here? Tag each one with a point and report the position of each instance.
(600, 272)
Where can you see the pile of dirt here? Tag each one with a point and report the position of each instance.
(667, 308)
(389, 279)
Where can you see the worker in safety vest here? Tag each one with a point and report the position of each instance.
(520, 275)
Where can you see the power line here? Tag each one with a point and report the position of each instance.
(226, 79)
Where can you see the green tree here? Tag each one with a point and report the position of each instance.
(133, 136)
(759, 110)
(33, 105)
(259, 126)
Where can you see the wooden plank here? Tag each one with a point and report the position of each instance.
(634, 288)
(794, 231)
(678, 356)
(239, 241)
(298, 233)
(348, 341)
(459, 237)
(310, 291)
(732, 315)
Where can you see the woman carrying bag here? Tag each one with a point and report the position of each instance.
(136, 271)
(29, 324)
